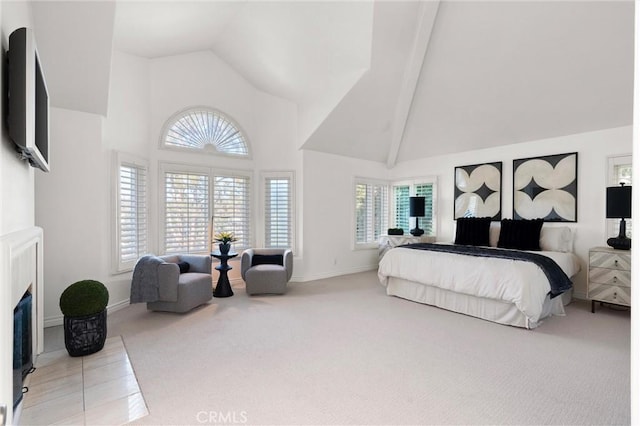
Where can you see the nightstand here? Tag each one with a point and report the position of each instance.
(387, 242)
(609, 278)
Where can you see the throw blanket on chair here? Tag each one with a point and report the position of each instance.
(144, 283)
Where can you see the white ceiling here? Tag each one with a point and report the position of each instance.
(493, 73)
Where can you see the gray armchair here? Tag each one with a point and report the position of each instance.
(181, 292)
(266, 271)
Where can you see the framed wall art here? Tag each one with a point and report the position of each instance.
(546, 187)
(477, 191)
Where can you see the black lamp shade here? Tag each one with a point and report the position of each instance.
(618, 202)
(416, 206)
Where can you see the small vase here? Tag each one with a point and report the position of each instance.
(224, 248)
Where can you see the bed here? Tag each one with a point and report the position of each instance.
(507, 291)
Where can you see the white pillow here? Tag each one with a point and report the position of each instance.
(556, 239)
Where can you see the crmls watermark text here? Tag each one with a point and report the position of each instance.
(222, 417)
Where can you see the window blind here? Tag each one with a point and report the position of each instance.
(622, 173)
(371, 212)
(186, 212)
(401, 194)
(426, 190)
(401, 198)
(278, 212)
(231, 208)
(132, 214)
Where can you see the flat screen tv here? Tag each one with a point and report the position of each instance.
(28, 111)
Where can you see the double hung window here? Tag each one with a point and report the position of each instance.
(199, 202)
(278, 209)
(401, 192)
(619, 172)
(371, 211)
(131, 220)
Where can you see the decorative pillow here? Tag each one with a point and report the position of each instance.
(473, 231)
(267, 259)
(556, 239)
(521, 234)
(184, 267)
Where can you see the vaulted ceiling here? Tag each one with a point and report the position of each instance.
(387, 81)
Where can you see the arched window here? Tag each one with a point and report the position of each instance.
(203, 128)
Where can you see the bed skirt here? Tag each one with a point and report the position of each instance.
(489, 309)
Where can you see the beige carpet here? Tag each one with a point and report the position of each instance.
(339, 351)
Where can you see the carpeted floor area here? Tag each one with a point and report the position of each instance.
(340, 351)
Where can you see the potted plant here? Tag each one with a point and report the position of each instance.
(225, 239)
(83, 305)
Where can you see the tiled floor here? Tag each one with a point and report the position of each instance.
(98, 389)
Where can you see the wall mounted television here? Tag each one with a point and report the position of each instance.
(28, 109)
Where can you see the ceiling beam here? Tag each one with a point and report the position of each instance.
(427, 17)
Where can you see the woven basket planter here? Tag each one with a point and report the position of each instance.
(85, 335)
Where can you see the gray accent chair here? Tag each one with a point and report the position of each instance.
(266, 278)
(183, 292)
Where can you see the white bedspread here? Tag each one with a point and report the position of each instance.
(521, 283)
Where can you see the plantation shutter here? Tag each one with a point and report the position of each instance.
(426, 223)
(622, 173)
(371, 212)
(401, 197)
(278, 212)
(132, 220)
(402, 191)
(231, 208)
(186, 212)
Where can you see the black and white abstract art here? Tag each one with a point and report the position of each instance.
(477, 191)
(546, 187)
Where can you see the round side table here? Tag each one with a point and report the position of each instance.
(223, 287)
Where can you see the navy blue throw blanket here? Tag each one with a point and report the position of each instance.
(557, 278)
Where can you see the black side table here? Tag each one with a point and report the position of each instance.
(223, 288)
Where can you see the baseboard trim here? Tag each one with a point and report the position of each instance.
(59, 319)
(335, 273)
(580, 295)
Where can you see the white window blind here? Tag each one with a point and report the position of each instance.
(401, 210)
(132, 214)
(205, 129)
(371, 210)
(402, 191)
(231, 208)
(186, 212)
(426, 223)
(278, 208)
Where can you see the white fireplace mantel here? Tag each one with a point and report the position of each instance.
(21, 269)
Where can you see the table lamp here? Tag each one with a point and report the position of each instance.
(619, 207)
(416, 209)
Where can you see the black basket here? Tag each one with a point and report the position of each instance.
(85, 335)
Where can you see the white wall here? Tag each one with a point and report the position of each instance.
(329, 214)
(73, 205)
(75, 200)
(593, 149)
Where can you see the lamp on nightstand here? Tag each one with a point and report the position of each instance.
(416, 209)
(619, 207)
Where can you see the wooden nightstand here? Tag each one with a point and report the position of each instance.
(609, 278)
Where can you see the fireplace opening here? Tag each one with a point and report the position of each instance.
(22, 345)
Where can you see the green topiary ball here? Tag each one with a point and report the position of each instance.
(86, 297)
